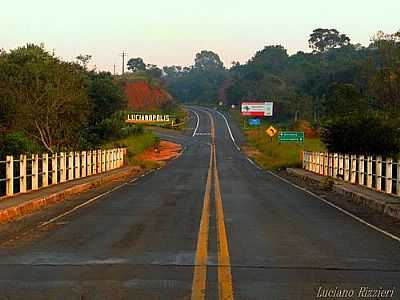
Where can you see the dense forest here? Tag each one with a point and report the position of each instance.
(303, 85)
(337, 86)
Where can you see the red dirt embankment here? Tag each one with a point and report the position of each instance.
(144, 97)
(162, 152)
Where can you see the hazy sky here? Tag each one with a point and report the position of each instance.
(171, 31)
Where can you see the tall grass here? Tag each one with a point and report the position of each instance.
(135, 144)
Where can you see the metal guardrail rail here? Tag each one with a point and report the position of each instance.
(31, 173)
(375, 172)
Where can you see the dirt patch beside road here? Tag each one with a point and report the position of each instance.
(162, 152)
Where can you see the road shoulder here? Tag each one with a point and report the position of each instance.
(20, 205)
(346, 200)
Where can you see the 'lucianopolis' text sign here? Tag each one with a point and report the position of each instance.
(147, 118)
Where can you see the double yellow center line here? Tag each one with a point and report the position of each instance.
(225, 290)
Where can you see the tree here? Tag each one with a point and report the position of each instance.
(367, 133)
(384, 82)
(207, 60)
(272, 59)
(322, 40)
(43, 97)
(154, 71)
(344, 99)
(83, 60)
(136, 64)
(105, 95)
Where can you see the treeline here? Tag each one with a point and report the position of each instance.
(47, 104)
(339, 87)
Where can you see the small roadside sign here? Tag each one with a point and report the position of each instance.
(254, 122)
(291, 136)
(271, 131)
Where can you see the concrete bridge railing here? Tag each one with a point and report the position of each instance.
(375, 172)
(26, 174)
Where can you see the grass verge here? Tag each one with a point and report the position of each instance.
(269, 153)
(137, 144)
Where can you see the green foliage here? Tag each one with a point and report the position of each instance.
(344, 99)
(324, 39)
(84, 59)
(136, 64)
(42, 97)
(273, 155)
(384, 72)
(367, 133)
(135, 144)
(198, 83)
(208, 60)
(105, 95)
(57, 104)
(16, 143)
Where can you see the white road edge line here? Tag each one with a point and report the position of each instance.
(97, 197)
(197, 123)
(253, 163)
(388, 234)
(68, 212)
(227, 125)
(229, 129)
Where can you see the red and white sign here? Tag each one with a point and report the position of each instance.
(257, 109)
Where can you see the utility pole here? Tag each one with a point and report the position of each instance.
(114, 69)
(123, 62)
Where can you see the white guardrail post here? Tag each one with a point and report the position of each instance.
(378, 163)
(87, 163)
(103, 161)
(45, 170)
(314, 162)
(361, 170)
(357, 169)
(346, 167)
(335, 165)
(22, 173)
(353, 168)
(35, 171)
(54, 169)
(84, 164)
(71, 166)
(321, 163)
(77, 165)
(63, 167)
(108, 160)
(369, 171)
(98, 165)
(388, 175)
(9, 175)
(341, 165)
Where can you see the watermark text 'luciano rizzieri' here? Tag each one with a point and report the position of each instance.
(364, 292)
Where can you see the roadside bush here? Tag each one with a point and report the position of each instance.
(305, 126)
(369, 133)
(16, 143)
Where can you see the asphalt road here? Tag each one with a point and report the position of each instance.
(209, 225)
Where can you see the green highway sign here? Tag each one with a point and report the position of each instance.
(291, 136)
